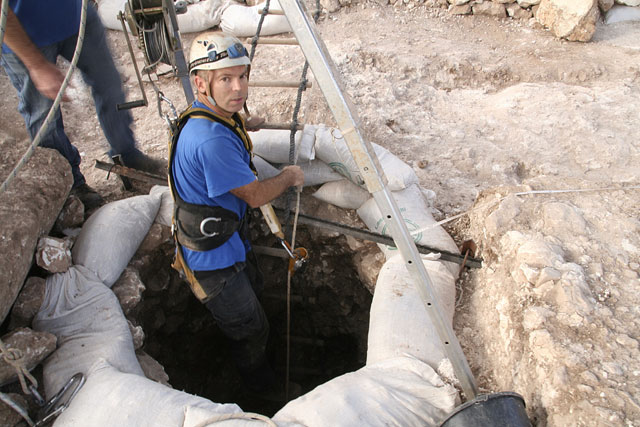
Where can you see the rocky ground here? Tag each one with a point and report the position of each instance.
(494, 115)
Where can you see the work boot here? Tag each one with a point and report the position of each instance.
(142, 162)
(88, 196)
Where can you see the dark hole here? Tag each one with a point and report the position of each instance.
(329, 324)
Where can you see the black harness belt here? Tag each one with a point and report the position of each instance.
(204, 227)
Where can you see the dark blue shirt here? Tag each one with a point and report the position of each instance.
(47, 21)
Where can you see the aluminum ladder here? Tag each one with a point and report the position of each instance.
(326, 75)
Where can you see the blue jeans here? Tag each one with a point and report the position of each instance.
(99, 72)
(235, 307)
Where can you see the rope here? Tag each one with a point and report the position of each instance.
(3, 22)
(236, 416)
(36, 141)
(289, 273)
(524, 193)
(14, 357)
(13, 405)
(254, 40)
(292, 146)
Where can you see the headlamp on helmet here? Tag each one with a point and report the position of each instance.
(213, 51)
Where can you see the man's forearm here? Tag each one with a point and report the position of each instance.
(260, 192)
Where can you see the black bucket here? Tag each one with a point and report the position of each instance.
(506, 409)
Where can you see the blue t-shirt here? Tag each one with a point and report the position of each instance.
(47, 21)
(209, 161)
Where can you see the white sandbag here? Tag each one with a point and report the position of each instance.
(399, 323)
(111, 236)
(332, 149)
(416, 215)
(343, 194)
(273, 145)
(265, 169)
(200, 15)
(242, 21)
(87, 319)
(620, 13)
(113, 398)
(165, 212)
(397, 392)
(317, 172)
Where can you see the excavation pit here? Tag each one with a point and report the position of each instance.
(329, 320)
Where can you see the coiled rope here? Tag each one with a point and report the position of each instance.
(36, 141)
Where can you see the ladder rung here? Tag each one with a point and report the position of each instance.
(280, 126)
(277, 83)
(275, 40)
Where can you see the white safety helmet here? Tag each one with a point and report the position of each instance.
(215, 50)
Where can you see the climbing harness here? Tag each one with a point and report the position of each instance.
(202, 227)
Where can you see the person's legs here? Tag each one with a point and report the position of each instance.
(100, 73)
(34, 108)
(240, 317)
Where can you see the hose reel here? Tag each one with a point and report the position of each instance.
(146, 20)
(154, 24)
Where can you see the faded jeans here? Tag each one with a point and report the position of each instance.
(99, 72)
(235, 307)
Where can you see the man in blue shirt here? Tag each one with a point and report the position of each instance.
(211, 170)
(37, 32)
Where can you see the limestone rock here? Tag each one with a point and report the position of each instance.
(152, 369)
(537, 254)
(128, 288)
(499, 219)
(28, 210)
(489, 8)
(629, 2)
(368, 264)
(517, 12)
(330, 5)
(458, 2)
(527, 3)
(28, 302)
(562, 218)
(574, 20)
(35, 347)
(534, 317)
(605, 5)
(71, 215)
(54, 254)
(464, 9)
(157, 235)
(137, 334)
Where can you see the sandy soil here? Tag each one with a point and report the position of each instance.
(483, 109)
